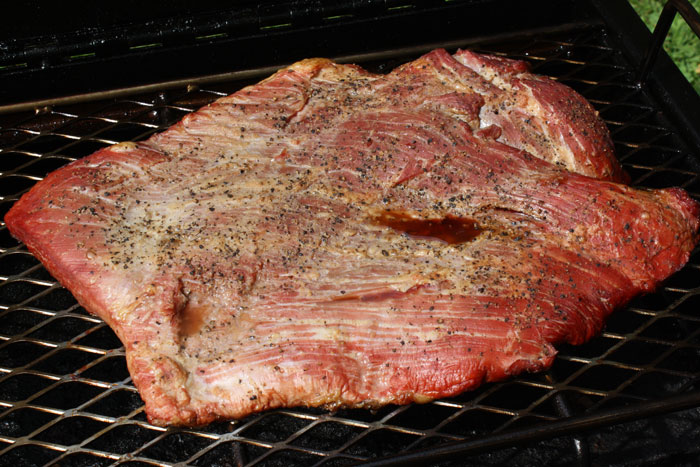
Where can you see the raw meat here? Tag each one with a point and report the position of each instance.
(331, 237)
(541, 116)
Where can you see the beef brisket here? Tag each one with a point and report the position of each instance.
(331, 237)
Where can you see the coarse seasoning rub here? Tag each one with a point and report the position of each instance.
(332, 237)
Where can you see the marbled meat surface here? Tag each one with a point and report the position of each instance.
(332, 237)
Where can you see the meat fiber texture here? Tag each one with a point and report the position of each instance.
(331, 237)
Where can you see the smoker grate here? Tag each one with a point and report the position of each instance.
(66, 397)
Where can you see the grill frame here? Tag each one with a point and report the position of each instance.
(42, 418)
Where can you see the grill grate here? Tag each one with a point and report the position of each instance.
(66, 397)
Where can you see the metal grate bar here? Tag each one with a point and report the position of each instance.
(261, 72)
(559, 428)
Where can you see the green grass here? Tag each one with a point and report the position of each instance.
(681, 44)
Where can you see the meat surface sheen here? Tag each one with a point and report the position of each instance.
(332, 237)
